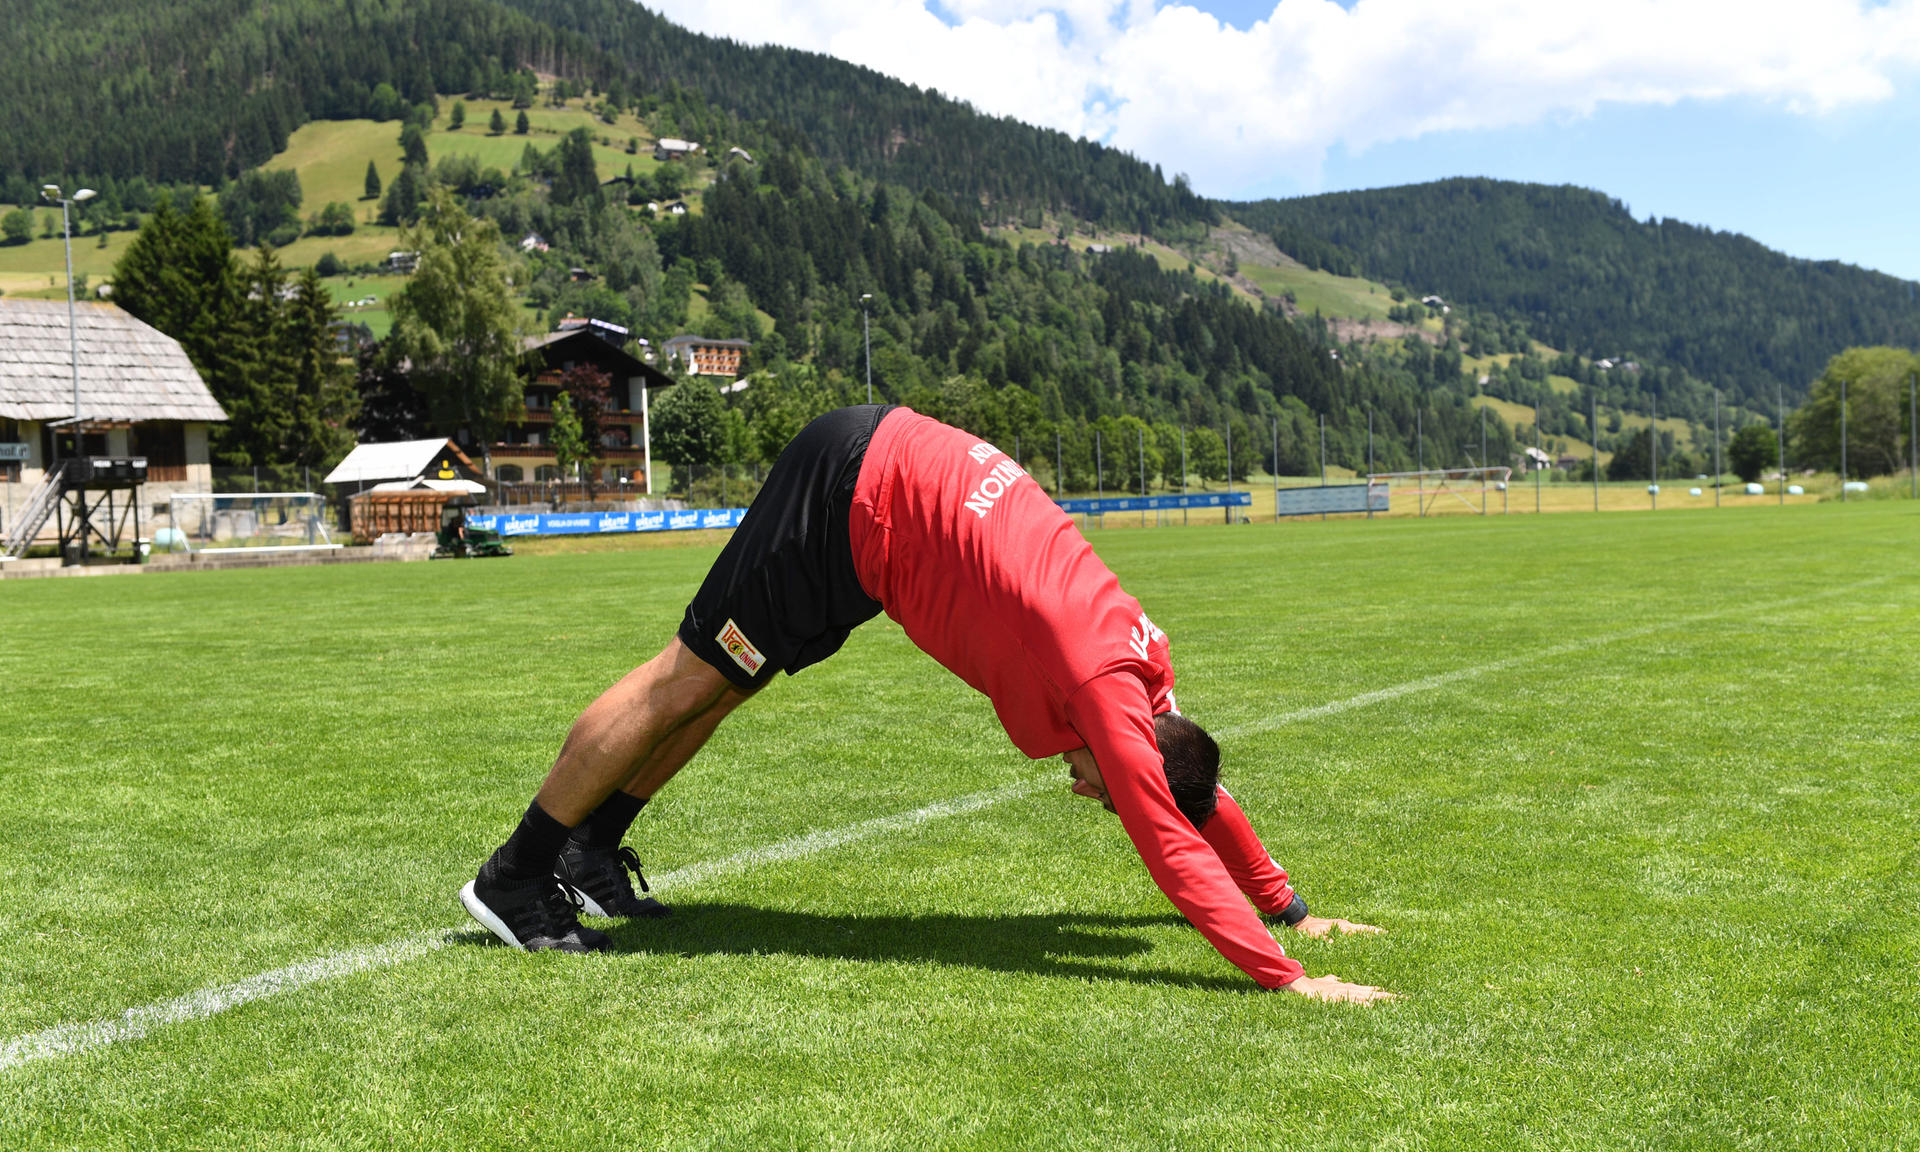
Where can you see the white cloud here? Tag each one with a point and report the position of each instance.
(1237, 107)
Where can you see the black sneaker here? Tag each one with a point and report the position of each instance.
(597, 880)
(538, 917)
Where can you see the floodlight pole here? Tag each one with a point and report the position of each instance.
(1537, 468)
(1099, 476)
(1323, 463)
(1420, 442)
(1913, 437)
(1276, 469)
(73, 325)
(646, 441)
(1059, 469)
(1141, 433)
(1593, 430)
(1369, 463)
(866, 332)
(1716, 447)
(1780, 436)
(52, 192)
(1483, 460)
(1229, 508)
(1184, 512)
(1843, 439)
(1653, 448)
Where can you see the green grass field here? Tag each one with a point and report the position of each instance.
(1633, 795)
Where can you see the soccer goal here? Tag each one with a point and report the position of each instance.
(1437, 488)
(245, 522)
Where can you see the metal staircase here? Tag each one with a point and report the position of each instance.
(39, 507)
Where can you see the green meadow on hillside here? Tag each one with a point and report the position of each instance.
(331, 157)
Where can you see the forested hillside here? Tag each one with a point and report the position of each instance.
(1008, 339)
(1585, 276)
(201, 89)
(1087, 337)
(877, 125)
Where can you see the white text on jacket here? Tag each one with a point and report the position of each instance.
(994, 486)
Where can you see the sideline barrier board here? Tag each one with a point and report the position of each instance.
(1332, 498)
(1155, 503)
(590, 523)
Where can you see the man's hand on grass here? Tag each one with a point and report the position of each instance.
(1333, 989)
(1323, 925)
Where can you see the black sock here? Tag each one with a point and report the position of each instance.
(604, 827)
(530, 852)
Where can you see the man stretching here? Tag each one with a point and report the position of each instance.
(878, 508)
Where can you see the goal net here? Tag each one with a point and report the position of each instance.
(1449, 489)
(244, 522)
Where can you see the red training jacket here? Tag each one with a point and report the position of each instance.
(990, 578)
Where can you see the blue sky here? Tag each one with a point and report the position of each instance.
(1792, 121)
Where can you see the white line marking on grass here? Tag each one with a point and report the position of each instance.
(69, 1039)
(1532, 656)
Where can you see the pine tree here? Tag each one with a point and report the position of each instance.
(259, 382)
(520, 124)
(457, 119)
(324, 402)
(373, 182)
(578, 181)
(413, 144)
(497, 124)
(179, 276)
(402, 201)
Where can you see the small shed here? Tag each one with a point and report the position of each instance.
(403, 485)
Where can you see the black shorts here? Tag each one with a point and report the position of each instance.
(783, 594)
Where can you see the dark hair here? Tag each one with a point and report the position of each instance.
(1192, 762)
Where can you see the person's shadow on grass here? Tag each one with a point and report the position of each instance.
(1074, 945)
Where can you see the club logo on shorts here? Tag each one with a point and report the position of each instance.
(741, 649)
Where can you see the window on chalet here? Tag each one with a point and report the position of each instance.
(164, 444)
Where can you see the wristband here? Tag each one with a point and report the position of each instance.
(1293, 913)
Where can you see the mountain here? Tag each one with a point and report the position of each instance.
(203, 89)
(1585, 276)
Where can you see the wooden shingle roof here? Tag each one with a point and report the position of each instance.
(128, 370)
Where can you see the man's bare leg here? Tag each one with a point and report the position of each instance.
(638, 733)
(644, 728)
(672, 754)
(593, 865)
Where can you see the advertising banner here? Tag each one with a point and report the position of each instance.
(589, 523)
(1155, 503)
(1333, 498)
